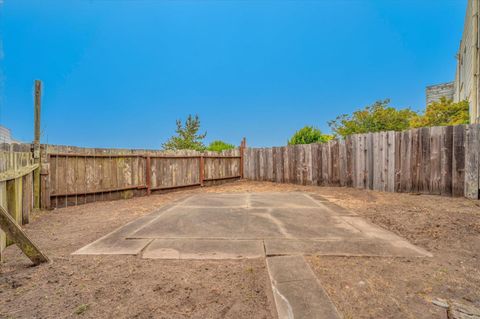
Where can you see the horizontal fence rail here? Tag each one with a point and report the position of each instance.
(431, 160)
(73, 176)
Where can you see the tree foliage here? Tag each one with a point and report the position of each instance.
(377, 117)
(309, 135)
(441, 113)
(187, 136)
(218, 146)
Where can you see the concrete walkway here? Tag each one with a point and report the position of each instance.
(296, 290)
(282, 227)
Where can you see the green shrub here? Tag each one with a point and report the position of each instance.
(373, 118)
(443, 112)
(218, 146)
(187, 137)
(309, 135)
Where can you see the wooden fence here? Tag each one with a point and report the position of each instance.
(435, 160)
(72, 176)
(16, 185)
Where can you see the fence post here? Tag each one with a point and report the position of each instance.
(14, 202)
(148, 176)
(36, 144)
(202, 169)
(242, 154)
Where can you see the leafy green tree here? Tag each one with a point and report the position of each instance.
(373, 118)
(309, 135)
(187, 136)
(218, 146)
(441, 113)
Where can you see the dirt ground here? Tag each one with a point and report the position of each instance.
(130, 287)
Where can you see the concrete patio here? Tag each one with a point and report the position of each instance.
(251, 225)
(282, 227)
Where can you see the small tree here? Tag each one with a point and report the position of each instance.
(374, 118)
(187, 137)
(218, 146)
(309, 135)
(441, 113)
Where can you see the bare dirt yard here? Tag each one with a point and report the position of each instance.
(131, 287)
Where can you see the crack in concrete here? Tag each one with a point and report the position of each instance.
(281, 228)
(289, 310)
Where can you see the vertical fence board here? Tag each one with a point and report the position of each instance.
(377, 153)
(292, 163)
(355, 159)
(398, 161)
(314, 163)
(446, 151)
(435, 160)
(472, 161)
(369, 160)
(402, 157)
(458, 166)
(286, 165)
(302, 174)
(349, 161)
(342, 162)
(424, 160)
(391, 169)
(269, 155)
(27, 197)
(309, 164)
(275, 163)
(325, 166)
(415, 156)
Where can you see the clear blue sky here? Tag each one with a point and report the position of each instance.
(119, 73)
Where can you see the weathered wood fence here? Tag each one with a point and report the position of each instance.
(435, 160)
(16, 185)
(72, 176)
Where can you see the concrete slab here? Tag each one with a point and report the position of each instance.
(234, 226)
(295, 224)
(216, 200)
(204, 249)
(282, 200)
(253, 223)
(121, 247)
(371, 230)
(313, 223)
(343, 247)
(289, 268)
(336, 210)
(116, 243)
(209, 223)
(296, 290)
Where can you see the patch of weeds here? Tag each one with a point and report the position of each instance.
(81, 309)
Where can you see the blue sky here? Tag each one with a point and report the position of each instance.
(119, 73)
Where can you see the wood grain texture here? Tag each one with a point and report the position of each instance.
(472, 161)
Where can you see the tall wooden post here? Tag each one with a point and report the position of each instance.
(243, 144)
(36, 144)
